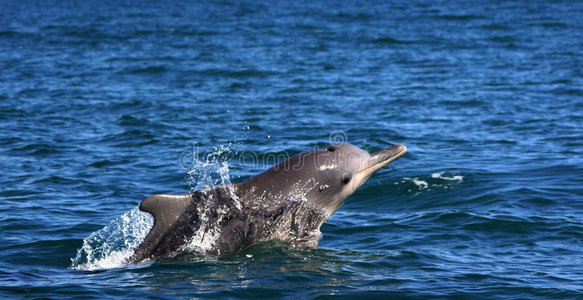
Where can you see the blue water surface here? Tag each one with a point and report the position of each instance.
(103, 103)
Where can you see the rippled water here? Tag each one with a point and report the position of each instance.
(103, 104)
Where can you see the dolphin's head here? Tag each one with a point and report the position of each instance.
(340, 169)
(324, 177)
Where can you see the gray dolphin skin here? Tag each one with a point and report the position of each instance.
(287, 203)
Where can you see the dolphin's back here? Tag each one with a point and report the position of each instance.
(177, 218)
(215, 215)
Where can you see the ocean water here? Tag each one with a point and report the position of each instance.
(103, 103)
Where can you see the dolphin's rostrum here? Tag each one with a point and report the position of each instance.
(286, 203)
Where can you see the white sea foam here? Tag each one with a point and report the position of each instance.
(440, 176)
(420, 183)
(425, 183)
(113, 245)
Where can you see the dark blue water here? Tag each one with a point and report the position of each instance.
(104, 103)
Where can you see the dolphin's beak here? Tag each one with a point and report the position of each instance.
(382, 158)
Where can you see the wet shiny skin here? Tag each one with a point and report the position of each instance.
(100, 101)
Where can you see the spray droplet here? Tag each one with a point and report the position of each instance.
(113, 245)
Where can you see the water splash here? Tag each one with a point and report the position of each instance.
(421, 184)
(113, 245)
(209, 170)
(442, 180)
(440, 175)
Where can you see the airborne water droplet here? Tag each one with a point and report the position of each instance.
(113, 245)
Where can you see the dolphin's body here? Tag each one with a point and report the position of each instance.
(286, 203)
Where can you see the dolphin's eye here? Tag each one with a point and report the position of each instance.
(331, 149)
(346, 179)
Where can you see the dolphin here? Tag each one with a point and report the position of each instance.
(287, 203)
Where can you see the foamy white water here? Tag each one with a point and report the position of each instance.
(113, 245)
(441, 176)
